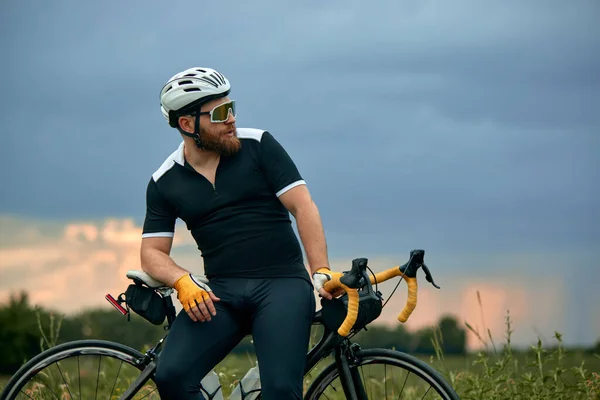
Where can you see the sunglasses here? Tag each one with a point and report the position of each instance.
(221, 112)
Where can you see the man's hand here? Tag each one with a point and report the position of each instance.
(323, 275)
(196, 298)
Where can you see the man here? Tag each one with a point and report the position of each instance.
(234, 188)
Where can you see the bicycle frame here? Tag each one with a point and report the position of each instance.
(344, 359)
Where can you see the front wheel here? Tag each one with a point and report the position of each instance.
(384, 374)
(84, 369)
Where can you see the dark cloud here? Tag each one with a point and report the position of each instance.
(458, 125)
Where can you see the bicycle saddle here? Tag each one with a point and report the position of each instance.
(153, 283)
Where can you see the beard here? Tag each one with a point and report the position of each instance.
(219, 142)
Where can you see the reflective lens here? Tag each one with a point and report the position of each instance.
(221, 112)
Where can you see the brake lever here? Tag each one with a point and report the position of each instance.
(356, 277)
(428, 276)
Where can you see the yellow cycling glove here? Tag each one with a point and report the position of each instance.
(191, 292)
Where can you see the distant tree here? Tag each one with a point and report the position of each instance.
(107, 324)
(20, 337)
(424, 341)
(389, 338)
(21, 327)
(454, 338)
(375, 336)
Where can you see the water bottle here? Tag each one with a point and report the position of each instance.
(212, 386)
(249, 386)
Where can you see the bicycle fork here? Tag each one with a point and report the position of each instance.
(347, 365)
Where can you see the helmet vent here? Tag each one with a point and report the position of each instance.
(210, 81)
(192, 90)
(185, 82)
(218, 78)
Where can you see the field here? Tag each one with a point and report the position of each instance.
(543, 371)
(538, 374)
(473, 379)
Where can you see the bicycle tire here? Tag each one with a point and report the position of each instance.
(65, 351)
(385, 356)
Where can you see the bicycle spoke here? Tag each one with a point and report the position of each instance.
(98, 377)
(63, 378)
(148, 394)
(404, 384)
(426, 393)
(334, 389)
(369, 380)
(48, 386)
(385, 379)
(116, 377)
(26, 394)
(79, 376)
(362, 376)
(393, 385)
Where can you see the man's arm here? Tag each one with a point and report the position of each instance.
(157, 262)
(310, 227)
(290, 188)
(157, 237)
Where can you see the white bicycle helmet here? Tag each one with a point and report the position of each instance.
(186, 91)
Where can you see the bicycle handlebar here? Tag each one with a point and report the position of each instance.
(357, 278)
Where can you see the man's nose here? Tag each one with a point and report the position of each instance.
(230, 117)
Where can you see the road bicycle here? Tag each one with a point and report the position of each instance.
(354, 373)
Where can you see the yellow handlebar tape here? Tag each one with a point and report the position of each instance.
(352, 314)
(411, 302)
(385, 275)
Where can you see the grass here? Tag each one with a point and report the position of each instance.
(543, 371)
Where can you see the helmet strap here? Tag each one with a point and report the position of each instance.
(196, 134)
(197, 130)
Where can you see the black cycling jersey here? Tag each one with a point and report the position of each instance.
(239, 224)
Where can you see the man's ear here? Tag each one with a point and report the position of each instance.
(186, 123)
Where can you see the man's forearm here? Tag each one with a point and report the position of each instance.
(161, 266)
(312, 235)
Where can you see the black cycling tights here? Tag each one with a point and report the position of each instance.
(278, 314)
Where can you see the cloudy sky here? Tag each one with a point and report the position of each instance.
(470, 129)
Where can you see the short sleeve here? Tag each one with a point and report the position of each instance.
(160, 215)
(278, 166)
